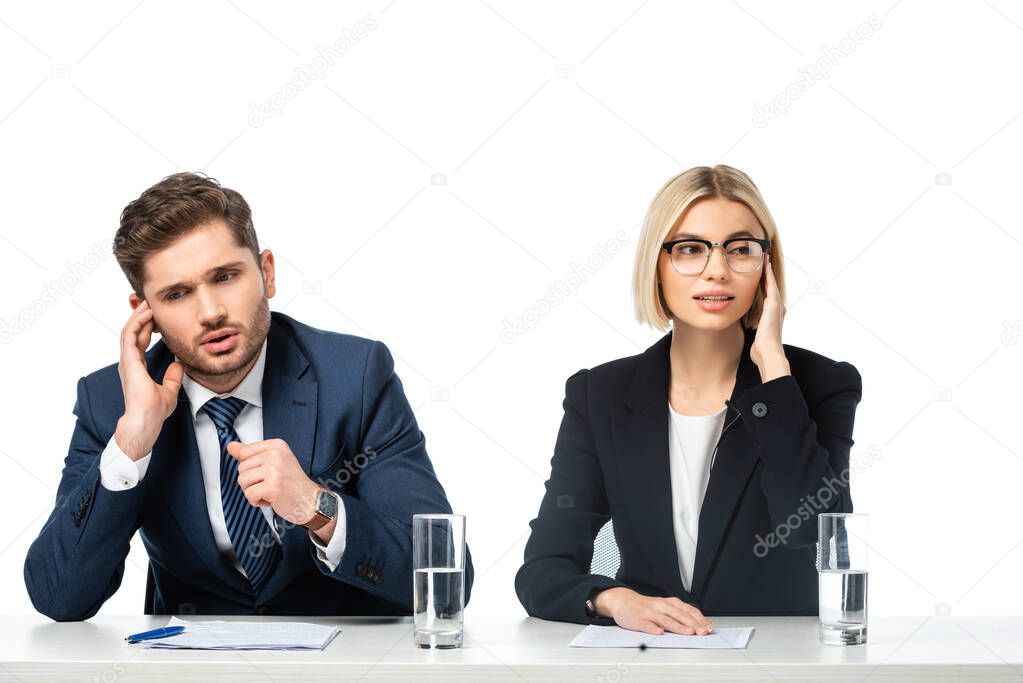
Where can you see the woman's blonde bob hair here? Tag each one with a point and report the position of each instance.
(667, 210)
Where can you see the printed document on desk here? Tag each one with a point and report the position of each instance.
(615, 636)
(246, 635)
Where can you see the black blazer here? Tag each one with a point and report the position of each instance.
(783, 458)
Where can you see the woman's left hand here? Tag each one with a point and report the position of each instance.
(767, 351)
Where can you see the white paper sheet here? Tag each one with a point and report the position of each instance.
(615, 636)
(245, 635)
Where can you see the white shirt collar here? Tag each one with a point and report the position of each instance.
(250, 389)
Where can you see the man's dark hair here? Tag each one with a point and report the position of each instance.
(169, 209)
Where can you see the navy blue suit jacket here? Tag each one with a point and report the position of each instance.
(782, 459)
(336, 401)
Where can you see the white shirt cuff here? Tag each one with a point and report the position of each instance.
(330, 554)
(117, 472)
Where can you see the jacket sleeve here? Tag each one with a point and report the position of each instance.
(77, 561)
(804, 448)
(395, 481)
(554, 581)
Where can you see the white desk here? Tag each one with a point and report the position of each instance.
(900, 649)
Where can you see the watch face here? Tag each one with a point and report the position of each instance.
(326, 504)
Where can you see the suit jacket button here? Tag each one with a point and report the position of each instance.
(760, 409)
(360, 570)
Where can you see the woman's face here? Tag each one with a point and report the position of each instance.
(715, 219)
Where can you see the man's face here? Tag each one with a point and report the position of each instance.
(203, 286)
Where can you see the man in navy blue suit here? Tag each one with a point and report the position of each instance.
(270, 467)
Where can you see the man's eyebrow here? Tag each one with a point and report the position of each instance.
(211, 271)
(738, 233)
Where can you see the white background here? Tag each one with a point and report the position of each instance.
(462, 156)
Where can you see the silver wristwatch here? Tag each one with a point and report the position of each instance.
(327, 503)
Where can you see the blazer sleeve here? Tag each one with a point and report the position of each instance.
(554, 581)
(394, 482)
(804, 448)
(77, 561)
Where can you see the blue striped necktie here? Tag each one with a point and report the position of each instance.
(252, 539)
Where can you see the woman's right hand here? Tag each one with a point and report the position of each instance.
(637, 612)
(146, 403)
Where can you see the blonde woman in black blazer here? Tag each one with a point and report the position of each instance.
(782, 455)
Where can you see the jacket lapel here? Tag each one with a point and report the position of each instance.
(176, 465)
(640, 435)
(289, 413)
(729, 475)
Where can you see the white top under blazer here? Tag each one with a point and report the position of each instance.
(691, 442)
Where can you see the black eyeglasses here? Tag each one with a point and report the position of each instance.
(691, 256)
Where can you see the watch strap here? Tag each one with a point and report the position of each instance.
(319, 519)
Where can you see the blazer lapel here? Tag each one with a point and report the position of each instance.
(640, 436)
(729, 475)
(176, 465)
(289, 413)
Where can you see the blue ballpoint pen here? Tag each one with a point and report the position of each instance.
(155, 633)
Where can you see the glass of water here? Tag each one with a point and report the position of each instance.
(842, 577)
(438, 563)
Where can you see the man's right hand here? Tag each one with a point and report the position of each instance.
(638, 612)
(146, 403)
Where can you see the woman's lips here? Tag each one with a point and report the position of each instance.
(713, 305)
(225, 344)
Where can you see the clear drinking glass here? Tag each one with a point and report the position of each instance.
(842, 577)
(438, 563)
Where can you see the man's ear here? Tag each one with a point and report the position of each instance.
(134, 300)
(266, 268)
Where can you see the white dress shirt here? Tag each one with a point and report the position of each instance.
(691, 443)
(119, 473)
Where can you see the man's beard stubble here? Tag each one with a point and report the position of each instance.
(252, 334)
